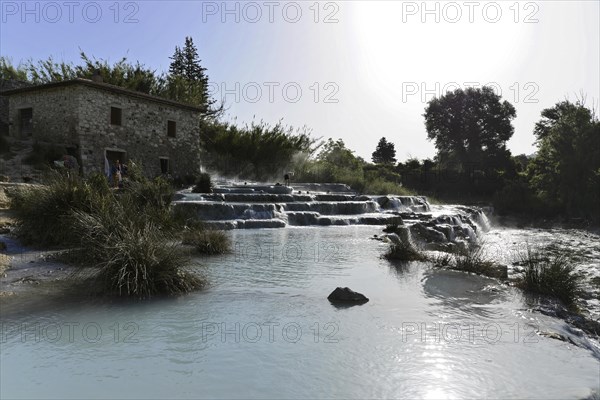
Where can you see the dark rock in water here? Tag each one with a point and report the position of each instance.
(345, 295)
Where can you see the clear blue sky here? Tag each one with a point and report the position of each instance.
(365, 69)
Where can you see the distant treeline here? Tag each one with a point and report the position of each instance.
(470, 129)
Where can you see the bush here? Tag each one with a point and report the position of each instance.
(134, 257)
(44, 212)
(404, 252)
(470, 259)
(552, 275)
(207, 241)
(378, 186)
(442, 260)
(129, 237)
(473, 259)
(203, 184)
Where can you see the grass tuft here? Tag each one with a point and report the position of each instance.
(44, 212)
(552, 275)
(207, 241)
(404, 252)
(471, 259)
(133, 259)
(129, 236)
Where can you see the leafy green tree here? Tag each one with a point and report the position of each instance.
(337, 154)
(470, 126)
(566, 169)
(258, 151)
(385, 153)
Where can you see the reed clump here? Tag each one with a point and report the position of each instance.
(550, 274)
(207, 241)
(129, 236)
(404, 251)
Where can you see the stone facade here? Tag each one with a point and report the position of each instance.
(96, 120)
(7, 84)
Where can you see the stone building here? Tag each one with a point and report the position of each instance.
(93, 120)
(5, 85)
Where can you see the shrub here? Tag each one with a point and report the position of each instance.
(207, 241)
(470, 259)
(203, 184)
(473, 259)
(552, 275)
(134, 257)
(404, 252)
(44, 212)
(380, 186)
(442, 260)
(129, 237)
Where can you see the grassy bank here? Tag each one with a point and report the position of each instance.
(129, 237)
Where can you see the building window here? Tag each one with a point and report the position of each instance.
(116, 116)
(164, 165)
(26, 121)
(171, 128)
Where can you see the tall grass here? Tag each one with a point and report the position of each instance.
(133, 257)
(474, 260)
(207, 241)
(552, 275)
(471, 259)
(45, 211)
(403, 251)
(129, 236)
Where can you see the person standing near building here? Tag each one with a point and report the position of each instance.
(117, 174)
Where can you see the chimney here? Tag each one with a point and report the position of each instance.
(97, 77)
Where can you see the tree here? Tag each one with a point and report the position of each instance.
(188, 81)
(336, 154)
(259, 151)
(384, 153)
(471, 127)
(566, 169)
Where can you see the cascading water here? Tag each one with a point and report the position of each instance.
(275, 206)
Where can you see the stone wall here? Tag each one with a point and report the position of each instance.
(142, 134)
(7, 84)
(55, 115)
(80, 116)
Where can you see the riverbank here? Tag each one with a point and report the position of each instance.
(26, 270)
